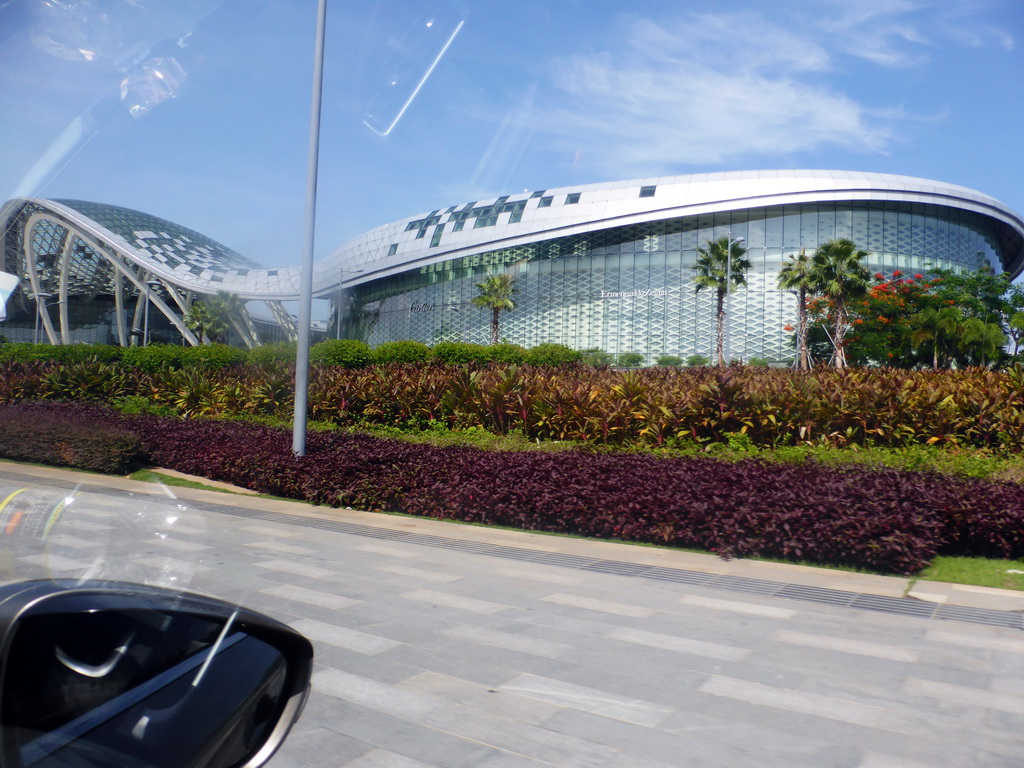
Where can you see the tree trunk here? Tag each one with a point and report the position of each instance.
(840, 333)
(801, 332)
(720, 330)
(495, 325)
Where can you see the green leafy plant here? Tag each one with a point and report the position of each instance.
(552, 355)
(275, 353)
(629, 359)
(507, 354)
(460, 353)
(347, 353)
(401, 352)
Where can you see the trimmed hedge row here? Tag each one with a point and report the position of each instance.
(59, 437)
(886, 520)
(346, 353)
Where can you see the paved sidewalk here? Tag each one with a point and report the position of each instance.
(890, 586)
(442, 645)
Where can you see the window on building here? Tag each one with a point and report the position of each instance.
(435, 239)
(538, 193)
(393, 249)
(572, 198)
(545, 202)
(647, 191)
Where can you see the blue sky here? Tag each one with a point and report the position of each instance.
(526, 95)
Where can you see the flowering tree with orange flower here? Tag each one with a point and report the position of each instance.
(914, 321)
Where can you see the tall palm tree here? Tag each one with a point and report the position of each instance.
(931, 325)
(496, 295)
(713, 271)
(838, 273)
(795, 275)
(981, 341)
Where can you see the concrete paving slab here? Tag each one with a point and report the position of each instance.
(433, 655)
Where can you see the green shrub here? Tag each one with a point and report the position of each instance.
(345, 353)
(596, 357)
(212, 356)
(154, 357)
(670, 361)
(695, 361)
(552, 354)
(24, 351)
(137, 405)
(460, 353)
(401, 352)
(510, 354)
(758, 362)
(276, 353)
(77, 353)
(60, 353)
(629, 360)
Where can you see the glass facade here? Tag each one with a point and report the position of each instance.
(630, 288)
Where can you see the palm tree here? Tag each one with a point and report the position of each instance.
(713, 272)
(496, 295)
(213, 316)
(795, 275)
(931, 324)
(981, 341)
(838, 273)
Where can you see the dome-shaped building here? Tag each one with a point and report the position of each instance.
(610, 266)
(90, 272)
(606, 266)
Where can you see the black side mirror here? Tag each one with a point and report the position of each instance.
(108, 674)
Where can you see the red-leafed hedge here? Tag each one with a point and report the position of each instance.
(883, 519)
(56, 436)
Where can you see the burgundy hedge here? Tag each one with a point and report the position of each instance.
(882, 519)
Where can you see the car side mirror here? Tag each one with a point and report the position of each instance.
(107, 674)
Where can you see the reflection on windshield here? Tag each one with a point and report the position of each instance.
(83, 536)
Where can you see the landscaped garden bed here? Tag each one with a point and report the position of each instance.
(887, 520)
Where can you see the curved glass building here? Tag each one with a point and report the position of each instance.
(610, 266)
(606, 266)
(96, 273)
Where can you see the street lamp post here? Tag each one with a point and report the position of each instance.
(300, 417)
(728, 291)
(41, 298)
(150, 284)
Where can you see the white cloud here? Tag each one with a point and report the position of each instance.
(697, 93)
(712, 88)
(885, 32)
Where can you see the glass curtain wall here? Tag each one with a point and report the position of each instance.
(630, 289)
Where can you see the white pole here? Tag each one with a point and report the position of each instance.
(306, 270)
